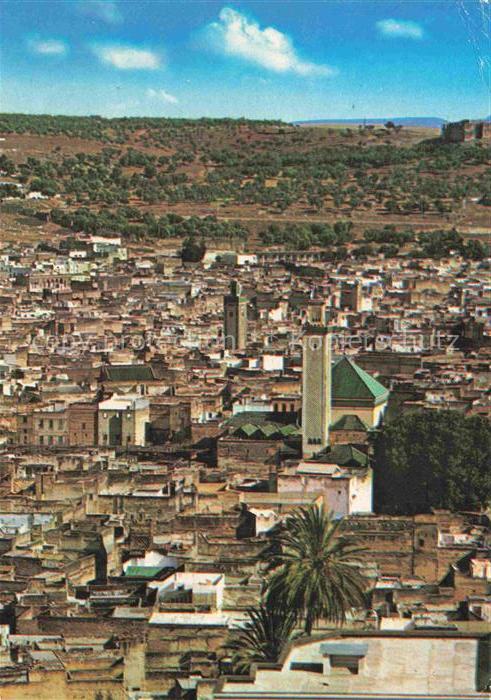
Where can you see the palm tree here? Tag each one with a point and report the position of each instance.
(263, 637)
(313, 571)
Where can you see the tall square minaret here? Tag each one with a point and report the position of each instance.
(235, 318)
(316, 382)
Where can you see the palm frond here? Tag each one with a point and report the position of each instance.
(263, 637)
(313, 569)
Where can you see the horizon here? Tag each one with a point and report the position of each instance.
(333, 120)
(303, 61)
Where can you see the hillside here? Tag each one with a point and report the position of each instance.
(140, 176)
(424, 122)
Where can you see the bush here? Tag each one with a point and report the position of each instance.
(193, 251)
(433, 459)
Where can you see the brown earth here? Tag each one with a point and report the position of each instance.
(470, 219)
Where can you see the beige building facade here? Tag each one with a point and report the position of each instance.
(123, 421)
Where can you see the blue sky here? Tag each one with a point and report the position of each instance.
(289, 59)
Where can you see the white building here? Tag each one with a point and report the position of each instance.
(420, 664)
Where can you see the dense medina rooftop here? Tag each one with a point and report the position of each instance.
(200, 411)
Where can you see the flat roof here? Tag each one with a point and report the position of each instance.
(190, 619)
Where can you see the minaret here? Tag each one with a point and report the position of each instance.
(351, 296)
(235, 318)
(358, 297)
(316, 382)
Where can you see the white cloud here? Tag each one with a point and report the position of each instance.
(162, 95)
(400, 28)
(128, 57)
(105, 10)
(236, 35)
(48, 47)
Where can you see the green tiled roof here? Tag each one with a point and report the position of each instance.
(257, 425)
(128, 373)
(344, 456)
(349, 422)
(269, 429)
(248, 428)
(257, 418)
(143, 571)
(351, 383)
(289, 429)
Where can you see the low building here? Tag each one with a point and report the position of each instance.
(342, 474)
(375, 664)
(49, 282)
(348, 430)
(82, 424)
(170, 420)
(198, 589)
(123, 421)
(45, 426)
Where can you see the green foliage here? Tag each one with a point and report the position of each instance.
(388, 234)
(304, 270)
(45, 185)
(265, 164)
(6, 165)
(114, 130)
(193, 251)
(304, 236)
(265, 634)
(433, 459)
(133, 224)
(8, 189)
(240, 157)
(389, 250)
(312, 567)
(363, 251)
(475, 250)
(439, 244)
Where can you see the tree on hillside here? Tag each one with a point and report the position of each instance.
(433, 459)
(475, 250)
(267, 630)
(7, 166)
(313, 568)
(193, 251)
